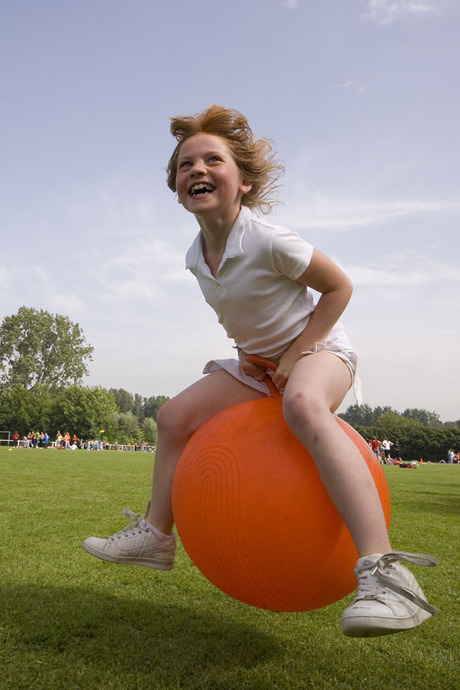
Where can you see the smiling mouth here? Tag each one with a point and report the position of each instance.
(200, 189)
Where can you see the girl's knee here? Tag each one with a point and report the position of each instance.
(165, 416)
(303, 409)
(175, 420)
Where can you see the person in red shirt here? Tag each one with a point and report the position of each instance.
(375, 445)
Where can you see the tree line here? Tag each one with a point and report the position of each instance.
(420, 433)
(89, 412)
(44, 357)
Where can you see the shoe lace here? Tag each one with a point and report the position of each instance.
(137, 525)
(381, 571)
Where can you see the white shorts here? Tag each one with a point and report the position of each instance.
(232, 366)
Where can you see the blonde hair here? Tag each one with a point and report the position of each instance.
(255, 158)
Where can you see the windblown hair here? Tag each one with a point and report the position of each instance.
(255, 158)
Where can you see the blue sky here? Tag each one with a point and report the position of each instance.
(361, 98)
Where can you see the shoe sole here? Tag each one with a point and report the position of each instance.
(376, 627)
(125, 560)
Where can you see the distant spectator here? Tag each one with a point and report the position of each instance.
(396, 451)
(386, 445)
(375, 445)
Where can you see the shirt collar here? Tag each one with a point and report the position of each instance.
(233, 248)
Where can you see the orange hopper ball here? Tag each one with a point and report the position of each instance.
(254, 517)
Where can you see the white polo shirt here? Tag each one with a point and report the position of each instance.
(255, 294)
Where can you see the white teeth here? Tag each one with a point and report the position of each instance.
(201, 187)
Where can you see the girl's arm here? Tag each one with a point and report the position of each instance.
(324, 276)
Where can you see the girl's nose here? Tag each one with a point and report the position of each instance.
(198, 168)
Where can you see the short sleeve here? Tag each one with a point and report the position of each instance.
(291, 253)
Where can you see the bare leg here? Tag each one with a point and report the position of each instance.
(177, 420)
(316, 387)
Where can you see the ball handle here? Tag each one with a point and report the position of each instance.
(266, 364)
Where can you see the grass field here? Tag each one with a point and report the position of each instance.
(68, 620)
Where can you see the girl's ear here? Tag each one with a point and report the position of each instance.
(245, 186)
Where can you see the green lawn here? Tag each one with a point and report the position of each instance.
(68, 620)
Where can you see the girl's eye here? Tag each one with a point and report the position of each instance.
(184, 164)
(214, 159)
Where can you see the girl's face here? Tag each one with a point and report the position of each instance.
(208, 181)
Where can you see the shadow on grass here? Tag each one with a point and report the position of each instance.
(87, 632)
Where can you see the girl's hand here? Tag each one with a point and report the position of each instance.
(257, 372)
(281, 375)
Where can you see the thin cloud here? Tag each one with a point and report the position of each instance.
(320, 210)
(291, 4)
(147, 270)
(386, 12)
(154, 258)
(131, 289)
(62, 302)
(5, 279)
(408, 270)
(354, 85)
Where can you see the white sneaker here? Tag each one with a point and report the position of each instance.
(134, 545)
(389, 598)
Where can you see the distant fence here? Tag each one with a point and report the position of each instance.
(5, 439)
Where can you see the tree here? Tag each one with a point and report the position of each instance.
(125, 428)
(359, 415)
(84, 411)
(42, 349)
(153, 404)
(123, 399)
(24, 410)
(420, 433)
(138, 408)
(379, 411)
(423, 416)
(149, 430)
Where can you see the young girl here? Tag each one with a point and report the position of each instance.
(256, 276)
